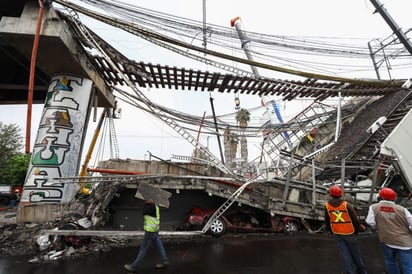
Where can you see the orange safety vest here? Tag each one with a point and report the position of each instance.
(340, 221)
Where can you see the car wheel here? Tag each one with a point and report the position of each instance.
(291, 227)
(218, 227)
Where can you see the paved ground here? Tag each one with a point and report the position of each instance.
(301, 253)
(234, 253)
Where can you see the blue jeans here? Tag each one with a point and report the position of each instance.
(349, 250)
(12, 203)
(404, 256)
(148, 239)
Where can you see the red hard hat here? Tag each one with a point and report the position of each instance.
(335, 191)
(387, 193)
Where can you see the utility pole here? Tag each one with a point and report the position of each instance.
(245, 43)
(217, 130)
(235, 22)
(204, 25)
(392, 24)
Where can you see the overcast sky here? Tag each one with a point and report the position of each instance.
(139, 132)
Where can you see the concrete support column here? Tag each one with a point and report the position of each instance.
(58, 146)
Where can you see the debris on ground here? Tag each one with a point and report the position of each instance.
(84, 212)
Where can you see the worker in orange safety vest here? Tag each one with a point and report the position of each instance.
(343, 222)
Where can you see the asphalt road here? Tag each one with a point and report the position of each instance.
(241, 254)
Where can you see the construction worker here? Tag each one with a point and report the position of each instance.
(394, 225)
(342, 221)
(151, 225)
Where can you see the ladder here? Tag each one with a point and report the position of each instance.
(113, 139)
(190, 159)
(219, 212)
(315, 114)
(191, 139)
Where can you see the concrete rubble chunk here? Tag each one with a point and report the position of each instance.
(159, 196)
(69, 251)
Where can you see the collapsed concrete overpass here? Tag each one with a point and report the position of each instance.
(62, 50)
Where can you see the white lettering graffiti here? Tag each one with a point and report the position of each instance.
(56, 148)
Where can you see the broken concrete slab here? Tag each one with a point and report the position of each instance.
(159, 196)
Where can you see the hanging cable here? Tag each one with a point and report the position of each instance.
(283, 53)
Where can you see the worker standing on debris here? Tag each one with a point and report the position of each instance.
(394, 225)
(151, 219)
(342, 220)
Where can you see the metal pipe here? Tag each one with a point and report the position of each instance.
(287, 183)
(83, 171)
(376, 169)
(313, 184)
(32, 76)
(114, 171)
(342, 175)
(338, 118)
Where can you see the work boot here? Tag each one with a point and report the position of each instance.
(162, 265)
(130, 268)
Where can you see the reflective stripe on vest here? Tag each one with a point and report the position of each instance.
(152, 224)
(340, 221)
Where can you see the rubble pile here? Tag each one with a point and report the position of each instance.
(17, 239)
(29, 239)
(64, 247)
(84, 212)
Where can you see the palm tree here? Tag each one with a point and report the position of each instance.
(243, 117)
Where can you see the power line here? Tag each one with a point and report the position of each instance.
(287, 51)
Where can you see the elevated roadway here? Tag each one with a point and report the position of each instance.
(58, 51)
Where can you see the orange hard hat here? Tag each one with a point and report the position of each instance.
(335, 191)
(387, 193)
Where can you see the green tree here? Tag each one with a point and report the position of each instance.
(16, 169)
(243, 117)
(10, 145)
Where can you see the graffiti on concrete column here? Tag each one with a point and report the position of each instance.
(58, 145)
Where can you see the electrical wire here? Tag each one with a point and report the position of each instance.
(282, 50)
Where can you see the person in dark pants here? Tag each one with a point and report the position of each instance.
(13, 200)
(342, 221)
(394, 225)
(151, 225)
